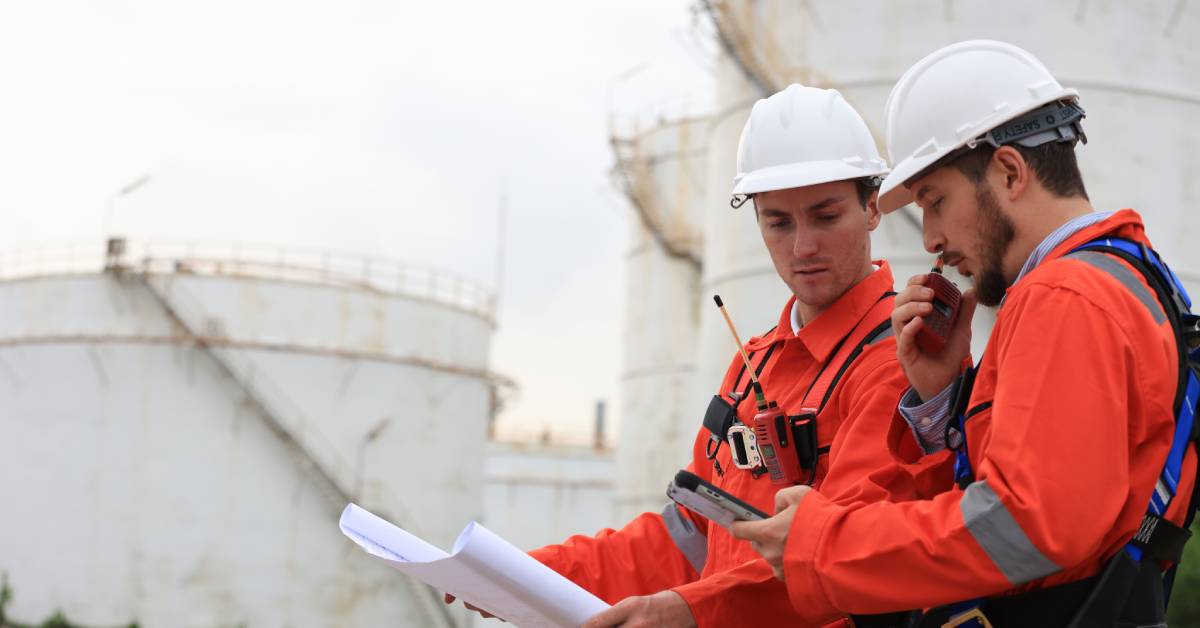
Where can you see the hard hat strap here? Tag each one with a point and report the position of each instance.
(872, 182)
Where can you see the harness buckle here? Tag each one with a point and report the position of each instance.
(1190, 326)
(973, 618)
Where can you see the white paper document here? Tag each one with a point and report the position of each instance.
(482, 569)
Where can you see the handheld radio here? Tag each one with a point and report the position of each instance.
(772, 431)
(936, 326)
(778, 437)
(772, 439)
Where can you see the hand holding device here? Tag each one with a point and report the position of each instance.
(937, 325)
(932, 322)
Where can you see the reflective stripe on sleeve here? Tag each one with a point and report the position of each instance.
(1001, 537)
(1108, 264)
(688, 539)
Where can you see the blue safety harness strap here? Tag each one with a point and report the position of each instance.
(956, 433)
(1156, 539)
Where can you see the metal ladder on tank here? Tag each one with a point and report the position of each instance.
(316, 454)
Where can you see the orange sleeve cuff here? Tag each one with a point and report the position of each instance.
(747, 595)
(804, 587)
(693, 594)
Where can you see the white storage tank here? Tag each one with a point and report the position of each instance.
(181, 431)
(539, 494)
(662, 172)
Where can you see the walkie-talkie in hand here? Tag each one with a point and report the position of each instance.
(937, 325)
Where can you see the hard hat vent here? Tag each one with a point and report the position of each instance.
(788, 113)
(833, 97)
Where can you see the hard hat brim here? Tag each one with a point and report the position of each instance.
(893, 194)
(789, 176)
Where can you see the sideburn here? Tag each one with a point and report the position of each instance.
(996, 233)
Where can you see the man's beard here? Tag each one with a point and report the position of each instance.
(996, 233)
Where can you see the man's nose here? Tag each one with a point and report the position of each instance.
(804, 244)
(931, 236)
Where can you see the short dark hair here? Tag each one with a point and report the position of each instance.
(865, 186)
(1053, 163)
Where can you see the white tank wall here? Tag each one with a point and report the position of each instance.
(147, 488)
(539, 495)
(658, 418)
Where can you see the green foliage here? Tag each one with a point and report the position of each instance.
(1185, 598)
(57, 620)
(5, 598)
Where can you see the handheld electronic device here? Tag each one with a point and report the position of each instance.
(772, 432)
(743, 445)
(936, 326)
(710, 502)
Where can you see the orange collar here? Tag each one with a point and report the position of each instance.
(821, 335)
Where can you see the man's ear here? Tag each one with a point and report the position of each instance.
(873, 213)
(1011, 172)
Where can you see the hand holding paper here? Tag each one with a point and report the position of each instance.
(482, 568)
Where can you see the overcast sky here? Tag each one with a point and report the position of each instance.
(375, 127)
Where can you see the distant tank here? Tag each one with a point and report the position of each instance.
(183, 425)
(662, 172)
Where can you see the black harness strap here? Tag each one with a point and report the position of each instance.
(881, 331)
(757, 373)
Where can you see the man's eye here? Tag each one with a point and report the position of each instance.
(777, 224)
(827, 217)
(937, 205)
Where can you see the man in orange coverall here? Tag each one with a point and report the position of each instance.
(1071, 415)
(809, 163)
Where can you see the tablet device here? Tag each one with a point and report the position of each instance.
(710, 502)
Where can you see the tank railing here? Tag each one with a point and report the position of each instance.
(261, 261)
(535, 435)
(738, 44)
(52, 259)
(635, 125)
(315, 450)
(632, 176)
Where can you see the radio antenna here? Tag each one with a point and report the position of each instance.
(759, 398)
(738, 339)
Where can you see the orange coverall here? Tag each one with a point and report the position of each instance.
(735, 587)
(1081, 381)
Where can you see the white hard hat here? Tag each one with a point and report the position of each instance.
(803, 136)
(964, 94)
